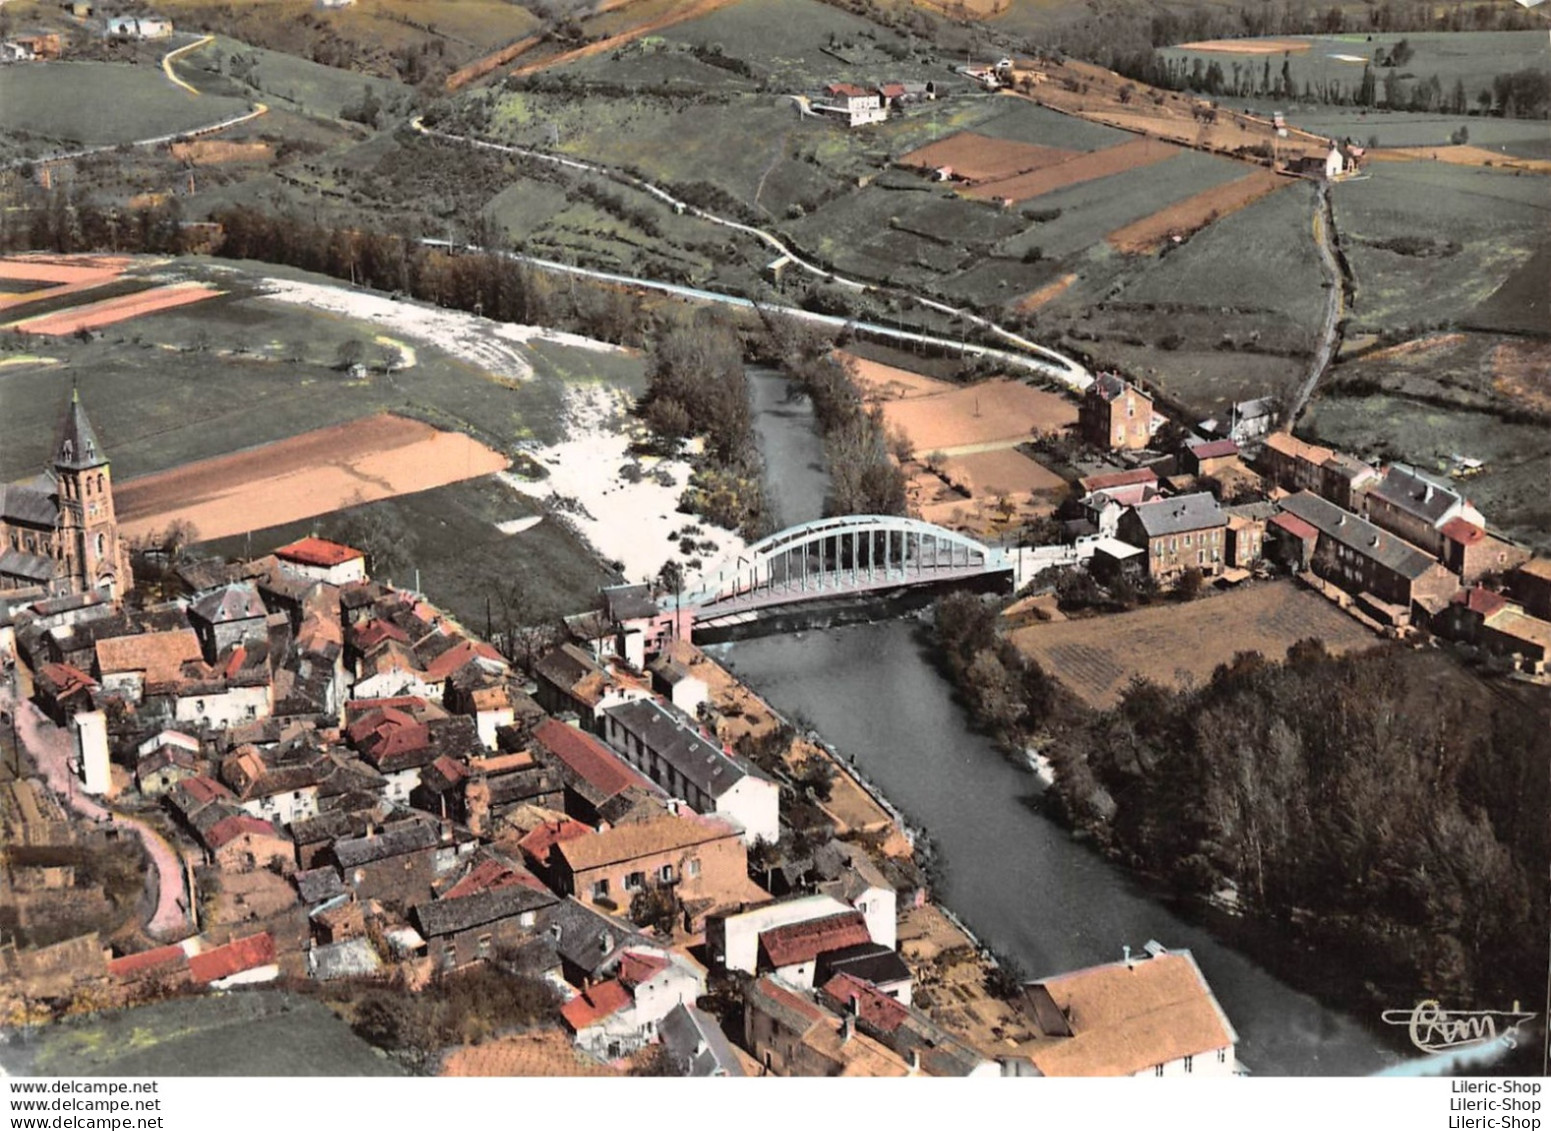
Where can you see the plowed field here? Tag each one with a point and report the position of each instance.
(976, 158)
(1088, 167)
(1149, 233)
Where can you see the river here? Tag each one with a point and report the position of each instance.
(1014, 876)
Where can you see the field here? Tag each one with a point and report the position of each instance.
(1180, 645)
(231, 1034)
(990, 414)
(93, 315)
(1145, 236)
(84, 104)
(976, 158)
(308, 475)
(1473, 58)
(1463, 233)
(297, 84)
(1079, 170)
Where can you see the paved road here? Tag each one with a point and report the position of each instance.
(51, 749)
(1044, 359)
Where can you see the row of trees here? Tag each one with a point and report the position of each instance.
(863, 477)
(1520, 94)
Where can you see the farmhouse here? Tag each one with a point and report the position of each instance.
(139, 27)
(1185, 532)
(1292, 464)
(1471, 552)
(1115, 415)
(317, 559)
(855, 105)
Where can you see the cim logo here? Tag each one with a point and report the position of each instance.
(1435, 1029)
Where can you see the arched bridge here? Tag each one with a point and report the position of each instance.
(837, 557)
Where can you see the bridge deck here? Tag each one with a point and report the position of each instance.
(839, 583)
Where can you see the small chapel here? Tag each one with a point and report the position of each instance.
(58, 532)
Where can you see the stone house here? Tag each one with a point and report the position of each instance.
(1115, 415)
(1180, 533)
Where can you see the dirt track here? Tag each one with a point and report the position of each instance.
(308, 475)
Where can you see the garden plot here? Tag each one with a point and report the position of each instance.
(975, 158)
(1079, 170)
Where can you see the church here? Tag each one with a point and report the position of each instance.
(58, 532)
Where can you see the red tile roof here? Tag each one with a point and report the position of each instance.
(1214, 449)
(375, 631)
(233, 958)
(1295, 526)
(163, 958)
(871, 1004)
(1481, 600)
(205, 789)
(492, 875)
(1465, 533)
(1109, 479)
(228, 829)
(592, 761)
(594, 1004)
(636, 968)
(846, 90)
(805, 941)
(67, 680)
(387, 731)
(536, 844)
(362, 707)
(318, 552)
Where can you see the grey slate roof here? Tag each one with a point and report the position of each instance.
(19, 563)
(449, 916)
(585, 938)
(629, 602)
(319, 884)
(870, 962)
(410, 837)
(1180, 515)
(353, 958)
(674, 739)
(1360, 535)
(29, 504)
(237, 601)
(78, 448)
(696, 1044)
(1428, 497)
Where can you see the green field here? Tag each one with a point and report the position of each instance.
(1403, 128)
(1471, 57)
(462, 557)
(1261, 258)
(253, 1033)
(238, 371)
(296, 84)
(86, 104)
(1482, 226)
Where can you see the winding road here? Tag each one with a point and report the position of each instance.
(1335, 303)
(1044, 359)
(51, 748)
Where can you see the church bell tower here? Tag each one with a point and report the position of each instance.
(90, 552)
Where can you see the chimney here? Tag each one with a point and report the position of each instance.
(1126, 951)
(847, 1029)
(1427, 495)
(854, 1006)
(915, 1062)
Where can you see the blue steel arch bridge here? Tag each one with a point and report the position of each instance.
(833, 558)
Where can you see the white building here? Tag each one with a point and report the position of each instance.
(732, 941)
(317, 559)
(668, 747)
(615, 1017)
(857, 105)
(139, 27)
(91, 752)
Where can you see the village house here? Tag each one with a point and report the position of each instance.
(1152, 1016)
(240, 689)
(594, 775)
(396, 744)
(588, 941)
(569, 681)
(1359, 557)
(1416, 506)
(639, 628)
(1247, 533)
(669, 748)
(241, 843)
(679, 685)
(227, 617)
(398, 862)
(463, 928)
(1531, 584)
(616, 1017)
(792, 951)
(61, 690)
(138, 27)
(164, 766)
(874, 965)
(1115, 415)
(1210, 457)
(1344, 480)
(1471, 552)
(1178, 534)
(702, 859)
(1489, 621)
(848, 874)
(695, 1045)
(930, 1049)
(789, 1034)
(143, 664)
(1292, 464)
(317, 559)
(733, 937)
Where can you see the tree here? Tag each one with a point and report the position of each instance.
(379, 533)
(1189, 584)
(389, 357)
(657, 908)
(349, 354)
(816, 774)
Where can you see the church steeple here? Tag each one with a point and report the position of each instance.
(78, 449)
